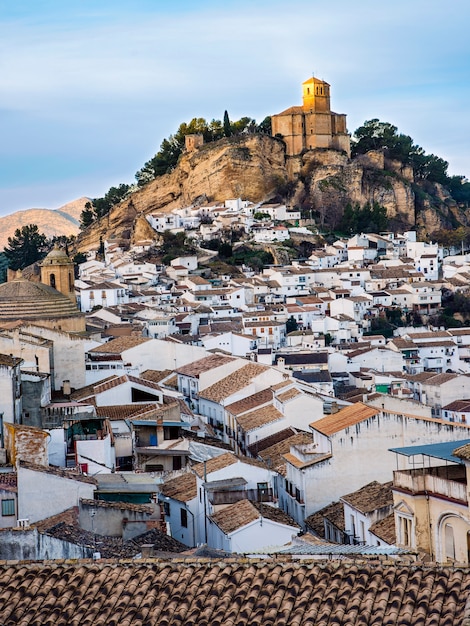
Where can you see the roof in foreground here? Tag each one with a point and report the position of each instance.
(442, 450)
(233, 592)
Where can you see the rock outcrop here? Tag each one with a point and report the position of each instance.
(255, 167)
(250, 166)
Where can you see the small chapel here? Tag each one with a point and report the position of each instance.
(314, 124)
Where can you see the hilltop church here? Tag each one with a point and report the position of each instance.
(312, 125)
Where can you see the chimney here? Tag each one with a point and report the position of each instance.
(147, 550)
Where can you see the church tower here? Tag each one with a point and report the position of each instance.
(57, 271)
(313, 125)
(316, 95)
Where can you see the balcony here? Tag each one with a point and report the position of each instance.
(449, 482)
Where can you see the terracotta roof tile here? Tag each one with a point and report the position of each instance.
(349, 416)
(57, 471)
(258, 418)
(233, 382)
(333, 512)
(224, 460)
(273, 456)
(373, 496)
(290, 394)
(181, 488)
(250, 402)
(155, 376)
(215, 464)
(384, 529)
(196, 368)
(119, 345)
(244, 512)
(232, 592)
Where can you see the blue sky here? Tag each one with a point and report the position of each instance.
(90, 88)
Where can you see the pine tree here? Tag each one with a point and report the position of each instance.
(227, 125)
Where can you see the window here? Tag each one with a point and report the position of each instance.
(52, 280)
(8, 507)
(184, 518)
(449, 542)
(405, 531)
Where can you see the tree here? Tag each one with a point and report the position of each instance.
(265, 127)
(366, 219)
(227, 125)
(291, 325)
(26, 246)
(87, 216)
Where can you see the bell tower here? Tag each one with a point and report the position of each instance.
(57, 271)
(316, 95)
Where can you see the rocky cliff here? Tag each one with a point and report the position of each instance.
(255, 167)
(251, 167)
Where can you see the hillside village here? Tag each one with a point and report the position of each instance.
(316, 407)
(205, 408)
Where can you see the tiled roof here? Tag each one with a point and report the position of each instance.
(349, 416)
(215, 464)
(181, 488)
(233, 592)
(290, 394)
(461, 406)
(113, 547)
(262, 444)
(281, 385)
(258, 417)
(233, 382)
(122, 506)
(224, 460)
(385, 529)
(155, 376)
(244, 512)
(119, 345)
(8, 479)
(250, 402)
(439, 379)
(463, 452)
(9, 361)
(273, 456)
(126, 411)
(333, 512)
(373, 496)
(204, 365)
(57, 471)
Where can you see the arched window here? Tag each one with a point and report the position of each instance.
(52, 280)
(70, 282)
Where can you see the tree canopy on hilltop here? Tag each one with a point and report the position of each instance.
(170, 149)
(376, 135)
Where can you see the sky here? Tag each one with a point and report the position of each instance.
(89, 89)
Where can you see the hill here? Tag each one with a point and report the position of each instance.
(51, 222)
(322, 182)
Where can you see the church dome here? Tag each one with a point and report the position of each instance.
(21, 299)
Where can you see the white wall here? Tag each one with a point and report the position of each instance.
(360, 455)
(43, 494)
(253, 537)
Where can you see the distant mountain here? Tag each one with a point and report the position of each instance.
(51, 222)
